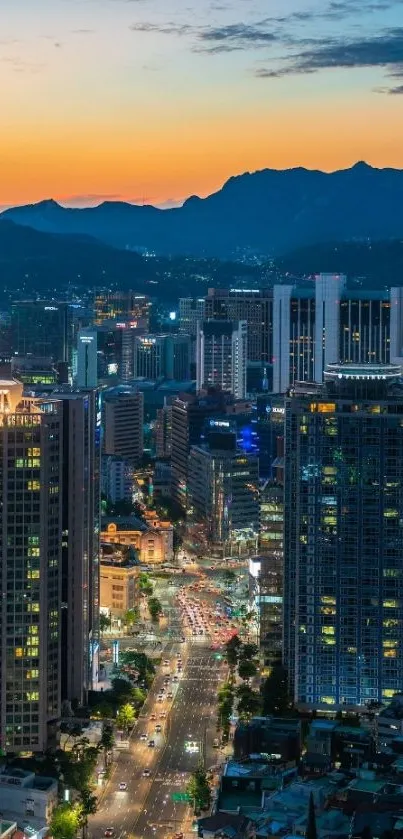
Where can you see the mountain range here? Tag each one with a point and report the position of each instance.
(269, 212)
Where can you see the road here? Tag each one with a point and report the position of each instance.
(146, 809)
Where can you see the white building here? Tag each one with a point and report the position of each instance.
(221, 355)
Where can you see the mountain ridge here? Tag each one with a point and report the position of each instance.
(269, 212)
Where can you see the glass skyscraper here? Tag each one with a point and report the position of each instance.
(343, 536)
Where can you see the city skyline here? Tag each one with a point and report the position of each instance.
(124, 100)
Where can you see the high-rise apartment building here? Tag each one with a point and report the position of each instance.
(122, 306)
(221, 356)
(163, 432)
(223, 491)
(255, 306)
(123, 422)
(30, 567)
(343, 539)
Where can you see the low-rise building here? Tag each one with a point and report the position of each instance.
(119, 576)
(153, 539)
(268, 736)
(26, 798)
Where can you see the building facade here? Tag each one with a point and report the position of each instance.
(87, 358)
(30, 567)
(343, 540)
(122, 306)
(255, 306)
(123, 422)
(223, 492)
(221, 353)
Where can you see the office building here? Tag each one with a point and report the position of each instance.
(221, 356)
(163, 432)
(80, 543)
(122, 306)
(255, 306)
(42, 328)
(30, 566)
(191, 312)
(123, 423)
(149, 357)
(177, 357)
(343, 540)
(223, 491)
(87, 359)
(117, 479)
(33, 370)
(189, 413)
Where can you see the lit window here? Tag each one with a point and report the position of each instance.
(388, 693)
(328, 630)
(18, 652)
(390, 604)
(32, 695)
(33, 486)
(33, 552)
(327, 700)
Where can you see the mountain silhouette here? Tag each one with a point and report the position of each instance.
(270, 212)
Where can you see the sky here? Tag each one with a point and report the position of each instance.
(150, 101)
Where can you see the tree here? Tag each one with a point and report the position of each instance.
(232, 651)
(247, 669)
(154, 607)
(249, 651)
(199, 789)
(89, 804)
(275, 692)
(131, 617)
(104, 623)
(107, 742)
(249, 702)
(145, 584)
(125, 717)
(225, 701)
(65, 821)
(229, 577)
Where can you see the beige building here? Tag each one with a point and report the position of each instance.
(153, 541)
(119, 573)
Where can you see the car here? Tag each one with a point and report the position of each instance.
(123, 786)
(151, 744)
(158, 728)
(170, 695)
(146, 773)
(178, 835)
(166, 662)
(109, 831)
(153, 717)
(160, 698)
(175, 679)
(163, 716)
(144, 736)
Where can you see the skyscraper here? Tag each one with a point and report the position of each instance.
(221, 356)
(30, 566)
(122, 306)
(223, 490)
(255, 306)
(343, 539)
(42, 328)
(87, 359)
(80, 543)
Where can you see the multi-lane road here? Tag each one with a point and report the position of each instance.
(147, 808)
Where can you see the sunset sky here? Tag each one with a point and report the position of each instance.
(154, 100)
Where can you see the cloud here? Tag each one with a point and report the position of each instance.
(214, 39)
(383, 51)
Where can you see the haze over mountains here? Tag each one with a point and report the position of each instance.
(269, 212)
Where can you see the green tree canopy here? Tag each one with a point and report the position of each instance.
(154, 607)
(199, 789)
(247, 669)
(65, 821)
(104, 623)
(125, 717)
(249, 702)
